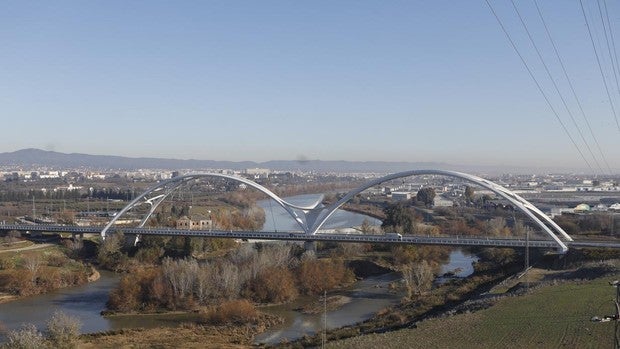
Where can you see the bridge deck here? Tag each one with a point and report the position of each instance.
(299, 236)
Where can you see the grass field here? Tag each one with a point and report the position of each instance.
(550, 317)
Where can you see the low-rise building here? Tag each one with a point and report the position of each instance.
(401, 195)
(195, 222)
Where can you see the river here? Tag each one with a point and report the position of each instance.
(87, 301)
(278, 219)
(368, 296)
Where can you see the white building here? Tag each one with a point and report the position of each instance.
(401, 195)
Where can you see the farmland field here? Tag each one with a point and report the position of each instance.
(550, 317)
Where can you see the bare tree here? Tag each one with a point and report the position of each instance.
(366, 227)
(63, 329)
(180, 274)
(204, 287)
(418, 278)
(272, 255)
(112, 244)
(230, 283)
(352, 249)
(497, 226)
(521, 229)
(243, 255)
(75, 246)
(188, 270)
(278, 254)
(12, 236)
(32, 264)
(28, 337)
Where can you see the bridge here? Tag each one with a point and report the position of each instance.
(311, 218)
(454, 240)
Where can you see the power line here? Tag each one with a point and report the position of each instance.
(611, 58)
(600, 67)
(555, 85)
(537, 84)
(570, 84)
(613, 41)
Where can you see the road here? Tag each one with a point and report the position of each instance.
(453, 240)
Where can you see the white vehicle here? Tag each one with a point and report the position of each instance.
(394, 236)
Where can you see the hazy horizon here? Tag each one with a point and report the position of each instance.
(372, 81)
(323, 165)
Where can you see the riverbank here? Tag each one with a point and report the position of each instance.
(558, 307)
(186, 335)
(39, 269)
(407, 313)
(7, 297)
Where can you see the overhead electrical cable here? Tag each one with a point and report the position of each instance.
(555, 85)
(570, 84)
(542, 92)
(613, 40)
(607, 28)
(600, 67)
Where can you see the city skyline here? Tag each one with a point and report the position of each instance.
(412, 82)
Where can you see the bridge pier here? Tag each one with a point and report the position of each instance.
(131, 240)
(310, 246)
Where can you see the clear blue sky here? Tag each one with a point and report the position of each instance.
(331, 80)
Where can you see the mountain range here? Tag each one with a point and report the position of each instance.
(30, 158)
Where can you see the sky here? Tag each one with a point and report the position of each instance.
(332, 80)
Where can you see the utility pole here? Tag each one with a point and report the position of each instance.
(34, 211)
(324, 341)
(527, 255)
(617, 318)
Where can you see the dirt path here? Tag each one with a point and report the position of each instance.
(27, 248)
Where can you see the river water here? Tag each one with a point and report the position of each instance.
(84, 302)
(278, 219)
(87, 301)
(367, 296)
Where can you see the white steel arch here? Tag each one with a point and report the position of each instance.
(163, 189)
(315, 215)
(318, 217)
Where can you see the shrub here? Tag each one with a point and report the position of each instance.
(149, 255)
(28, 337)
(239, 311)
(126, 297)
(19, 283)
(316, 276)
(57, 260)
(7, 263)
(143, 289)
(63, 329)
(275, 284)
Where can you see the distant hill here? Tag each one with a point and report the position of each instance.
(37, 157)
